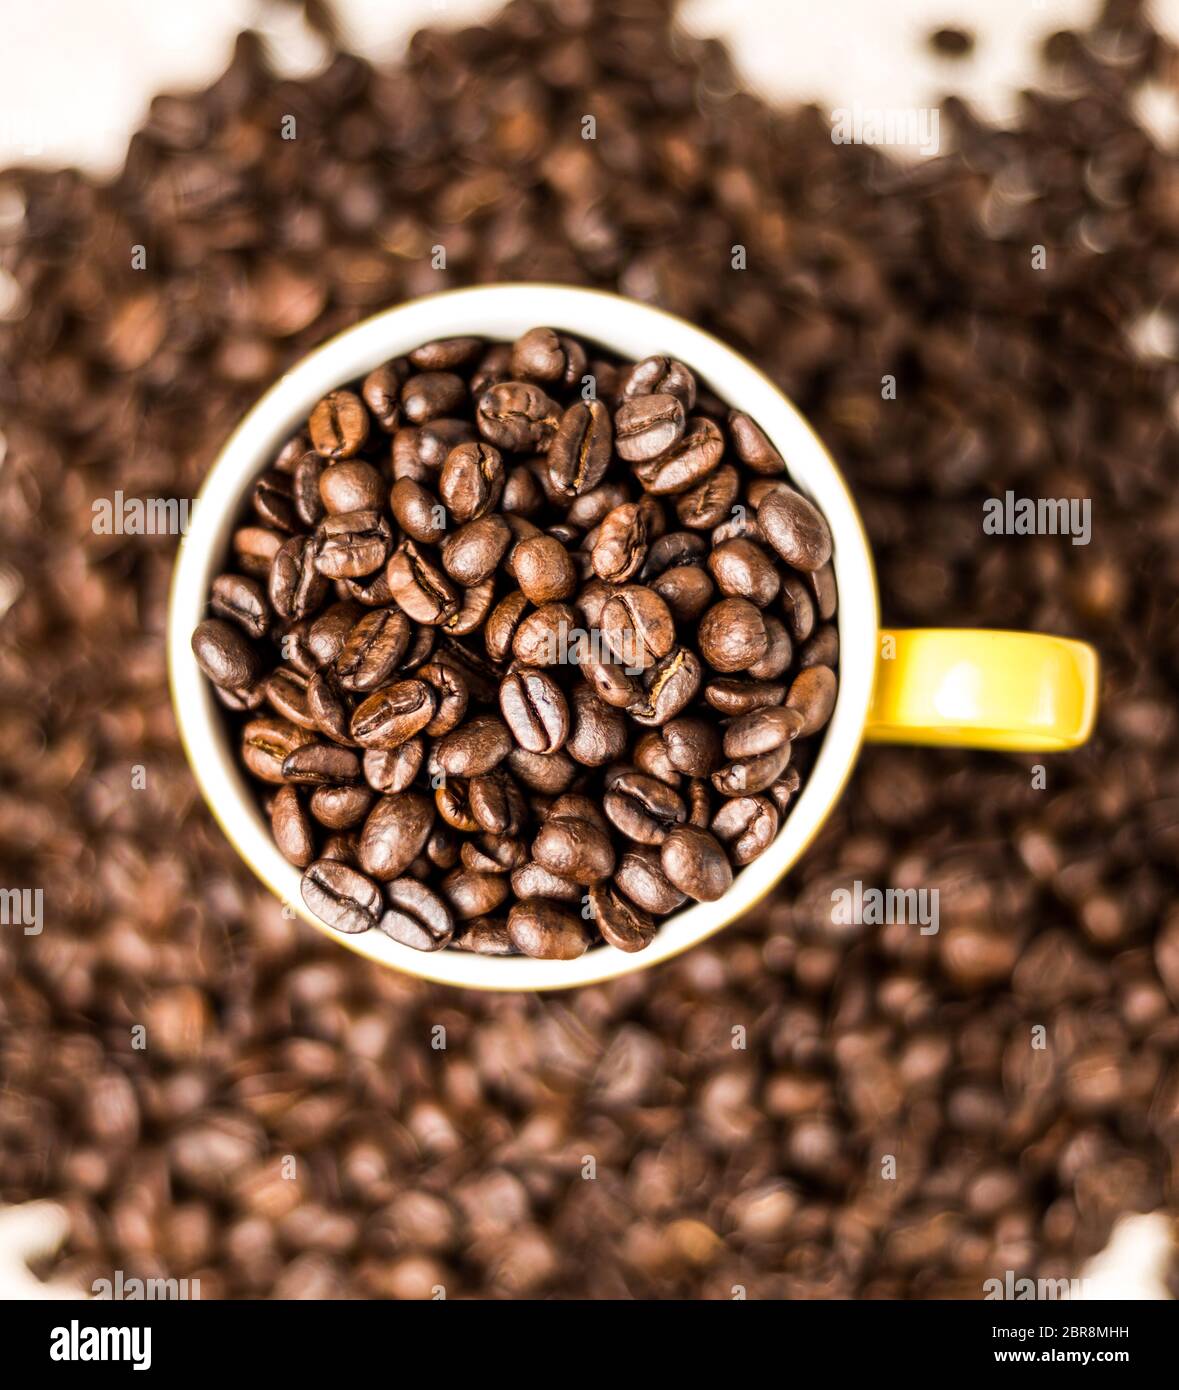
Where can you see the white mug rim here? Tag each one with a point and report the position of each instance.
(503, 311)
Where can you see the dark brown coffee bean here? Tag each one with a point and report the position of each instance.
(637, 628)
(342, 897)
(746, 826)
(546, 637)
(761, 732)
(254, 548)
(352, 544)
(419, 587)
(225, 655)
(542, 354)
(693, 745)
(686, 589)
(475, 748)
(292, 828)
(473, 610)
(373, 649)
(394, 834)
(327, 634)
(453, 802)
(484, 936)
(640, 876)
(447, 354)
(242, 601)
(340, 808)
(621, 923)
(779, 651)
(320, 764)
(517, 416)
(305, 489)
(297, 586)
(538, 927)
(813, 695)
(695, 863)
(674, 549)
(534, 709)
(502, 623)
(642, 807)
(382, 393)
(354, 486)
(732, 635)
(590, 509)
(650, 756)
(543, 570)
(417, 511)
(274, 501)
(471, 482)
(391, 770)
(733, 697)
(452, 696)
(286, 691)
(393, 714)
(822, 649)
(473, 553)
(798, 607)
(329, 705)
(579, 453)
(687, 463)
(659, 376)
(753, 448)
(339, 425)
(432, 395)
(417, 916)
(598, 732)
(266, 744)
(532, 880)
(575, 849)
(620, 547)
(742, 569)
(522, 494)
(796, 530)
(497, 803)
(756, 773)
(822, 581)
(669, 687)
(710, 502)
(474, 895)
(647, 426)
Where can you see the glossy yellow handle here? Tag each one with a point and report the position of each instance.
(970, 688)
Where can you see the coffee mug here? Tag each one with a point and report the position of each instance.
(961, 688)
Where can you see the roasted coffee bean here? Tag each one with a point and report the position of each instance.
(484, 936)
(779, 651)
(687, 463)
(471, 482)
(297, 585)
(274, 501)
(695, 863)
(674, 549)
(660, 376)
(637, 628)
(543, 569)
(733, 635)
(535, 710)
(651, 756)
(517, 416)
(417, 511)
(453, 802)
(642, 807)
(266, 744)
(393, 769)
(328, 633)
(798, 607)
(620, 922)
(647, 426)
(710, 502)
(474, 895)
(538, 927)
(620, 547)
(225, 655)
(381, 392)
(393, 714)
(822, 649)
(532, 880)
(795, 528)
(351, 545)
(417, 916)
(286, 691)
(640, 876)
(742, 569)
(734, 697)
(432, 395)
(497, 803)
(813, 695)
(522, 495)
(340, 808)
(419, 587)
(354, 486)
(542, 354)
(686, 589)
(502, 623)
(473, 553)
(763, 731)
(341, 896)
(822, 581)
(579, 452)
(755, 773)
(293, 832)
(668, 687)
(452, 696)
(339, 425)
(373, 649)
(394, 834)
(753, 448)
(254, 548)
(329, 705)
(574, 848)
(320, 764)
(305, 489)
(546, 637)
(693, 745)
(746, 825)
(597, 734)
(475, 748)
(242, 601)
(473, 609)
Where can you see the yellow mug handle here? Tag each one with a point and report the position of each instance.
(970, 688)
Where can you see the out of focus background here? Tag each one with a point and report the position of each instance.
(193, 1084)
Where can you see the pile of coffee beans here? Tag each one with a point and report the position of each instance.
(526, 639)
(216, 1091)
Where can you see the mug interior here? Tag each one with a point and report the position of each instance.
(632, 330)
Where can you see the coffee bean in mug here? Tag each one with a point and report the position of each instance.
(540, 669)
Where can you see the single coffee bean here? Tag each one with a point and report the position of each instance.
(341, 896)
(419, 587)
(417, 916)
(453, 802)
(673, 549)
(687, 463)
(753, 448)
(286, 691)
(637, 628)
(746, 826)
(711, 502)
(733, 697)
(381, 392)
(742, 569)
(686, 589)
(762, 731)
(659, 376)
(579, 453)
(813, 695)
(597, 733)
(473, 609)
(699, 804)
(574, 848)
(752, 774)
(642, 807)
(393, 714)
(391, 770)
(340, 808)
(693, 745)
(474, 895)
(621, 923)
(620, 547)
(432, 395)
(779, 651)
(532, 880)
(254, 548)
(795, 528)
(647, 426)
(534, 709)
(297, 587)
(373, 649)
(668, 687)
(352, 544)
(590, 509)
(292, 828)
(497, 803)
(475, 748)
(502, 624)
(798, 606)
(473, 553)
(329, 705)
(471, 482)
(650, 756)
(542, 354)
(242, 601)
(484, 936)
(330, 630)
(225, 655)
(822, 649)
(339, 425)
(305, 489)
(732, 635)
(394, 834)
(538, 927)
(320, 764)
(543, 570)
(695, 863)
(354, 486)
(640, 876)
(452, 696)
(546, 637)
(517, 415)
(822, 581)
(274, 501)
(417, 511)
